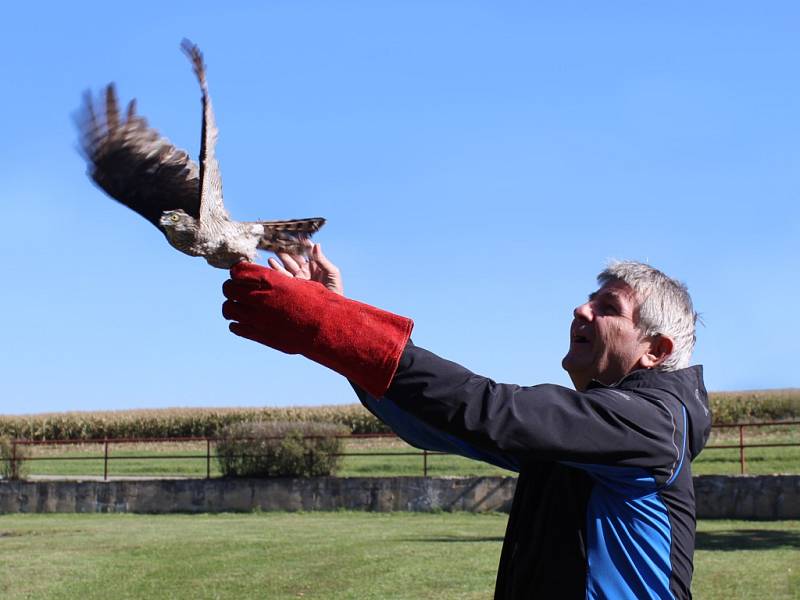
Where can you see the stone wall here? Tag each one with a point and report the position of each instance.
(746, 497)
(215, 495)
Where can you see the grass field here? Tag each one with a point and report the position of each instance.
(336, 555)
(163, 458)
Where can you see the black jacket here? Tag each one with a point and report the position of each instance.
(604, 504)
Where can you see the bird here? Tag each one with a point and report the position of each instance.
(139, 168)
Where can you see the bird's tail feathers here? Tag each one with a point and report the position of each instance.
(289, 236)
(309, 226)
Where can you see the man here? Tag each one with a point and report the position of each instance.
(604, 503)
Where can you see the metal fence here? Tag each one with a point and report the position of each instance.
(107, 443)
(741, 444)
(17, 455)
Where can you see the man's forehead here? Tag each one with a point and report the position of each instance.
(617, 289)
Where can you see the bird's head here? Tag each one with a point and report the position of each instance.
(177, 222)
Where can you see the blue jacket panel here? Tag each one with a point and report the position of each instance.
(604, 505)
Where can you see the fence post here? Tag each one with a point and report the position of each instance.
(14, 459)
(741, 449)
(424, 463)
(208, 458)
(310, 460)
(105, 459)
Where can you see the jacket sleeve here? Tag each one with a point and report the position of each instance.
(423, 436)
(602, 426)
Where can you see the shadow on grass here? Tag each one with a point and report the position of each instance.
(454, 538)
(740, 539)
(747, 539)
(735, 460)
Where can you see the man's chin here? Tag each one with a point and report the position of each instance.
(580, 376)
(571, 363)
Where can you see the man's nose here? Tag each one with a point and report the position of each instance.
(584, 311)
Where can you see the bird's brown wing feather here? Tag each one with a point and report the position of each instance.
(212, 208)
(134, 164)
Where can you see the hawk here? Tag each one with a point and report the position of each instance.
(138, 167)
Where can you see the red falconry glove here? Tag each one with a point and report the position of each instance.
(297, 316)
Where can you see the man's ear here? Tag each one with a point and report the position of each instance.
(660, 348)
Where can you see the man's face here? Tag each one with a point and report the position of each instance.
(604, 342)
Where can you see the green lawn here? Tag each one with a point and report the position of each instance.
(163, 458)
(330, 555)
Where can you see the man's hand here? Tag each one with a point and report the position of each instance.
(318, 268)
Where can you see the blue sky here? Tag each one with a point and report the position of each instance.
(477, 162)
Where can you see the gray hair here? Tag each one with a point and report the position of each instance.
(665, 307)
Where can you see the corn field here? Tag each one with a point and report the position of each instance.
(727, 407)
(176, 422)
(768, 405)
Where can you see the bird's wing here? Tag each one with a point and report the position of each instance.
(133, 164)
(212, 208)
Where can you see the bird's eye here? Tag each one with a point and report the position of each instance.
(174, 218)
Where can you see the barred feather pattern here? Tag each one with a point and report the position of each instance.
(288, 236)
(133, 163)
